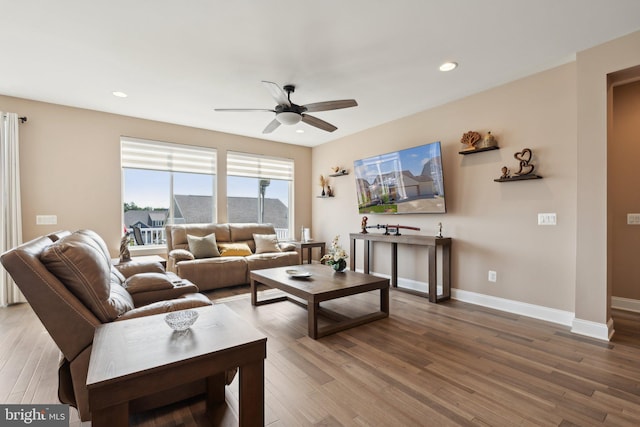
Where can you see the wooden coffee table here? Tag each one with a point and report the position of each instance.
(323, 285)
(137, 357)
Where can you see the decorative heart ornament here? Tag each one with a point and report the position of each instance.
(524, 157)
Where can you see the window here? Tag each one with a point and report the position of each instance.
(259, 189)
(165, 184)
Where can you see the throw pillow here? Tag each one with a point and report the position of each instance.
(266, 243)
(203, 247)
(234, 249)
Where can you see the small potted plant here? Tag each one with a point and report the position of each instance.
(337, 257)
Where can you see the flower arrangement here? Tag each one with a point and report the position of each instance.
(337, 257)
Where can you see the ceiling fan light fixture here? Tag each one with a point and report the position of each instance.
(288, 118)
(448, 66)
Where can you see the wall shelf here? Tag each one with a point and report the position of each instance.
(478, 150)
(323, 197)
(339, 174)
(518, 178)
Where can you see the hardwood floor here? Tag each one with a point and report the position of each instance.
(434, 365)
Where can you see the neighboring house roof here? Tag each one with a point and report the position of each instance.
(194, 209)
(198, 209)
(245, 209)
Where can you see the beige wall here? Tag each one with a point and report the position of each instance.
(624, 194)
(593, 261)
(494, 225)
(70, 165)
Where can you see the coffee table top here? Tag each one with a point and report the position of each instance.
(143, 344)
(322, 284)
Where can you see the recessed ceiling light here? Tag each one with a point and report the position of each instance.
(299, 131)
(448, 66)
(120, 94)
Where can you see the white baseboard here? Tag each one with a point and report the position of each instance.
(626, 304)
(522, 308)
(601, 331)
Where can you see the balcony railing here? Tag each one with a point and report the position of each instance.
(157, 236)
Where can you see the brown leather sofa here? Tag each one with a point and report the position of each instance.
(72, 286)
(221, 271)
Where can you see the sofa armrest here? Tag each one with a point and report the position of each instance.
(183, 303)
(130, 268)
(181, 255)
(287, 246)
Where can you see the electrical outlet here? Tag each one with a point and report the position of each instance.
(493, 276)
(546, 219)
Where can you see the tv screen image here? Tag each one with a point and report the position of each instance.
(402, 182)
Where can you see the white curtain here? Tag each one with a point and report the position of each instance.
(10, 213)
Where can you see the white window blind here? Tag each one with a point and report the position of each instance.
(256, 166)
(163, 156)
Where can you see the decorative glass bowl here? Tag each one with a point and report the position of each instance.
(181, 320)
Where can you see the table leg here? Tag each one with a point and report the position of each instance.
(384, 300)
(254, 292)
(251, 390)
(312, 319)
(433, 275)
(215, 391)
(113, 416)
(309, 253)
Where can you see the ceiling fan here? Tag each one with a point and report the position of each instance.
(288, 113)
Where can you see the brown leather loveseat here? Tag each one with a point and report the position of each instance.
(72, 286)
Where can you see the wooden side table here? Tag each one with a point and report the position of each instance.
(137, 357)
(309, 246)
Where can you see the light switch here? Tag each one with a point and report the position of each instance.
(633, 219)
(46, 219)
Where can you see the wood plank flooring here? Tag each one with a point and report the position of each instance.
(426, 365)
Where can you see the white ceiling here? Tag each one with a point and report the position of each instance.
(178, 60)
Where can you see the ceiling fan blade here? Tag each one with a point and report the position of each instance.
(320, 124)
(271, 126)
(243, 110)
(277, 93)
(330, 105)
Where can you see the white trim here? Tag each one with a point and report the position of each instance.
(596, 330)
(530, 310)
(591, 329)
(626, 304)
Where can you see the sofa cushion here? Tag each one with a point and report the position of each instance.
(179, 234)
(234, 249)
(203, 247)
(143, 282)
(266, 243)
(79, 262)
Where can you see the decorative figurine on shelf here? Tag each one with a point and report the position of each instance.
(524, 157)
(439, 235)
(363, 224)
(323, 183)
(336, 169)
(125, 255)
(487, 141)
(470, 139)
(329, 191)
(505, 173)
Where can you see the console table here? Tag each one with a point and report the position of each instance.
(433, 244)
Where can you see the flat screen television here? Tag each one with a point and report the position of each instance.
(402, 182)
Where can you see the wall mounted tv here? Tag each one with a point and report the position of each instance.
(402, 182)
